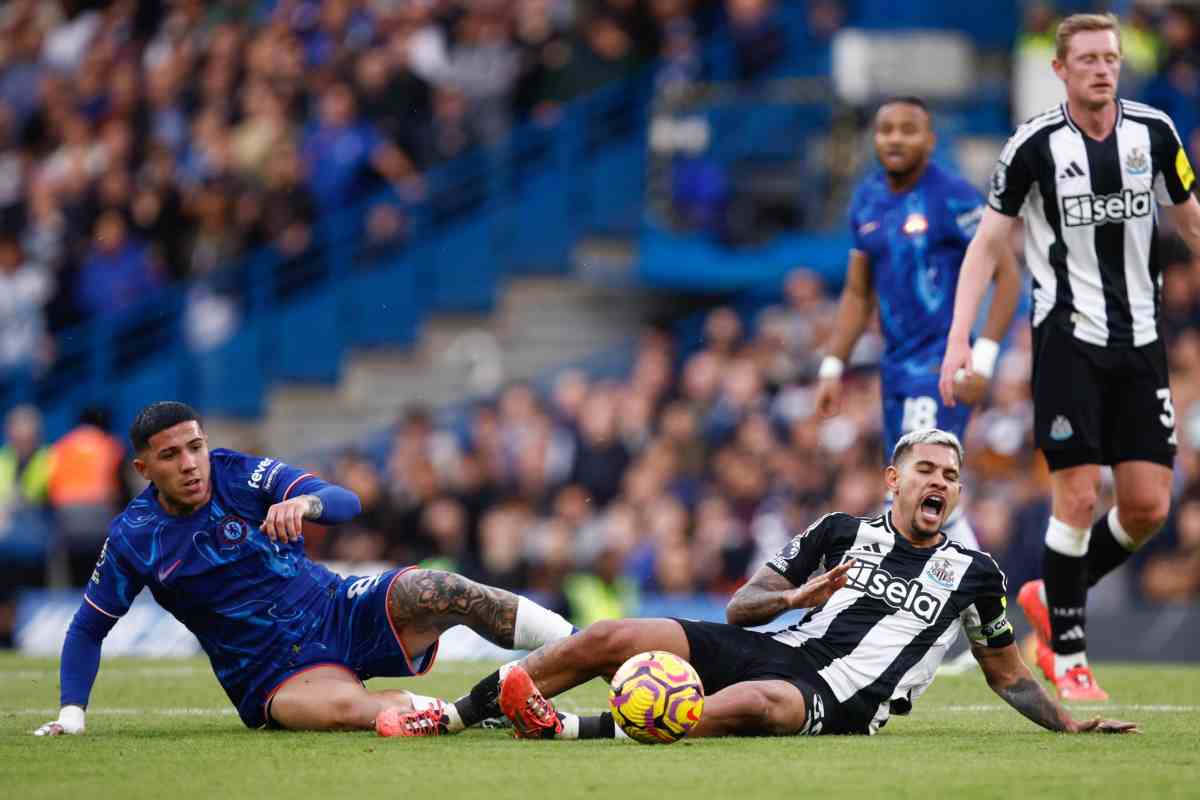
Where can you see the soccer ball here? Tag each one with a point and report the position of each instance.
(656, 697)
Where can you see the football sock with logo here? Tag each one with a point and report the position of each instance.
(1110, 547)
(1064, 570)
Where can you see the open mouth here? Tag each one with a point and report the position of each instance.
(192, 485)
(931, 508)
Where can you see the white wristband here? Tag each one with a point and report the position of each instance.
(831, 368)
(983, 357)
(71, 718)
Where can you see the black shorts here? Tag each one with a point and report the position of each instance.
(1100, 405)
(726, 654)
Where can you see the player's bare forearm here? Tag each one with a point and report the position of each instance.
(1186, 218)
(855, 308)
(429, 599)
(1008, 677)
(765, 597)
(1005, 297)
(983, 255)
(315, 508)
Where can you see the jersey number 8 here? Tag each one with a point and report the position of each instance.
(919, 413)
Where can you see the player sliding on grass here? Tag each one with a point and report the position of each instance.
(877, 626)
(216, 539)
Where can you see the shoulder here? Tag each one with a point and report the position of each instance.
(839, 524)
(1154, 119)
(984, 571)
(1031, 130)
(865, 189)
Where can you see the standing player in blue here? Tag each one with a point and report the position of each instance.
(216, 539)
(911, 222)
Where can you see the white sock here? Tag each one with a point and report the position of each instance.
(1118, 531)
(1067, 540)
(537, 626)
(570, 724)
(454, 723)
(1064, 663)
(620, 734)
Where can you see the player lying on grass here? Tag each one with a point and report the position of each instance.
(216, 537)
(877, 626)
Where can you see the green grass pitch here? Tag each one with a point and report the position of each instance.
(164, 729)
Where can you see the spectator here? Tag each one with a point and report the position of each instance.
(118, 270)
(343, 151)
(25, 465)
(24, 289)
(85, 490)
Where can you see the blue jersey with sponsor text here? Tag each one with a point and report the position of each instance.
(915, 241)
(248, 600)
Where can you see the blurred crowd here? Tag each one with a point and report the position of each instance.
(143, 143)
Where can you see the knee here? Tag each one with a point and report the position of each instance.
(1144, 514)
(1076, 504)
(779, 713)
(347, 708)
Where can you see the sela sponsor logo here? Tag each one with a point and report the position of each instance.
(260, 470)
(1100, 209)
(899, 593)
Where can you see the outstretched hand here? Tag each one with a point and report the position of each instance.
(1098, 725)
(816, 591)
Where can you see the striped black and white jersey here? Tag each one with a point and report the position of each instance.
(885, 632)
(1091, 218)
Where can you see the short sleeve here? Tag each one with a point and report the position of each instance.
(115, 581)
(986, 619)
(1173, 175)
(800, 557)
(1011, 179)
(964, 206)
(271, 480)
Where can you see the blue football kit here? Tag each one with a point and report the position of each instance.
(915, 241)
(262, 610)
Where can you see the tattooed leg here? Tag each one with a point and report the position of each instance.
(422, 603)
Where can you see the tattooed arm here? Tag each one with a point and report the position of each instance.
(769, 594)
(428, 601)
(1008, 677)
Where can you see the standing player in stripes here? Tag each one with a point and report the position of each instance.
(1087, 177)
(878, 623)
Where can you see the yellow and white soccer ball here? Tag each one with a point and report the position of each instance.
(656, 697)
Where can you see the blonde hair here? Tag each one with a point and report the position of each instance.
(1079, 23)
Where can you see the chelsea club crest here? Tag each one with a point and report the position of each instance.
(231, 531)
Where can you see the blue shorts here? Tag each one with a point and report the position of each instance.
(356, 634)
(914, 410)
